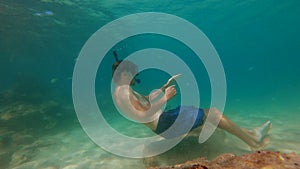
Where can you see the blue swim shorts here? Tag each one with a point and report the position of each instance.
(186, 114)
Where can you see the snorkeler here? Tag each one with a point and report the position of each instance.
(148, 109)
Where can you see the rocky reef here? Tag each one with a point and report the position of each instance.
(255, 160)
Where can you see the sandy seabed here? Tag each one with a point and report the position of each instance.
(48, 135)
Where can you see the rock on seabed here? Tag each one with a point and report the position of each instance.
(255, 160)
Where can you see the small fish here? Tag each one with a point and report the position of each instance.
(54, 80)
(251, 68)
(37, 14)
(44, 13)
(49, 13)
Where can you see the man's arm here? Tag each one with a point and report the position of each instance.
(155, 94)
(139, 112)
(151, 113)
(158, 92)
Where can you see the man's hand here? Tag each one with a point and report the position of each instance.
(170, 92)
(169, 82)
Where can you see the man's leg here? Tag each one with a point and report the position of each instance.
(255, 138)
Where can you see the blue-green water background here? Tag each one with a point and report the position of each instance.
(258, 43)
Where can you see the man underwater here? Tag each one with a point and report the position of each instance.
(149, 109)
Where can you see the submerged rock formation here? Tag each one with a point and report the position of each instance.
(258, 159)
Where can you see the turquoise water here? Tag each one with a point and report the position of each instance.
(258, 43)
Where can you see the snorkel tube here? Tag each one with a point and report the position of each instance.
(116, 57)
(118, 61)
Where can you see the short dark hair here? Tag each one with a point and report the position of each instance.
(123, 66)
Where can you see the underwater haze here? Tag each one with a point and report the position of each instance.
(258, 43)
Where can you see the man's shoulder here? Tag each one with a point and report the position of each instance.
(122, 90)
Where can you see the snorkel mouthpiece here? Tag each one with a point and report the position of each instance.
(138, 80)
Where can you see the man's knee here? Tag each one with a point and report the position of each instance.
(215, 116)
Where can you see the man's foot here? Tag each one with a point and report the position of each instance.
(262, 144)
(261, 131)
(260, 135)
